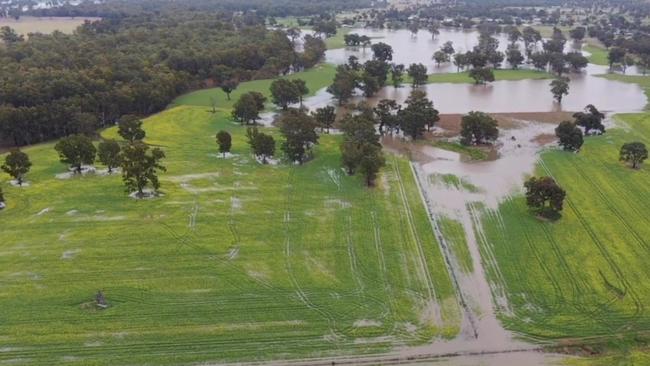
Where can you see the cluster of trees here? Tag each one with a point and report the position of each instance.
(570, 135)
(248, 8)
(60, 85)
(356, 40)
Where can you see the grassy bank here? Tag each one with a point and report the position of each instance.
(584, 275)
(316, 78)
(237, 261)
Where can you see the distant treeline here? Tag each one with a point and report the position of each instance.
(57, 85)
(276, 8)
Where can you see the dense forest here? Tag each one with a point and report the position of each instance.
(111, 8)
(56, 85)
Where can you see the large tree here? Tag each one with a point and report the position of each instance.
(634, 153)
(559, 88)
(301, 88)
(418, 115)
(382, 52)
(569, 136)
(109, 154)
(591, 120)
(228, 86)
(616, 55)
(284, 92)
(325, 117)
(130, 128)
(345, 81)
(544, 196)
(397, 74)
(262, 145)
(418, 74)
(140, 167)
(481, 75)
(76, 150)
(224, 141)
(247, 109)
(17, 164)
(361, 150)
(299, 131)
(478, 128)
(386, 112)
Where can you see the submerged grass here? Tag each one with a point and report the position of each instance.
(237, 261)
(586, 274)
(470, 152)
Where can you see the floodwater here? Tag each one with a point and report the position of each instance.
(482, 340)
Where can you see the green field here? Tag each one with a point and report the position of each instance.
(237, 261)
(463, 77)
(598, 55)
(45, 25)
(316, 78)
(586, 274)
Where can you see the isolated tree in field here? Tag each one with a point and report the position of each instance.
(140, 167)
(481, 75)
(544, 196)
(299, 131)
(382, 52)
(365, 41)
(325, 117)
(559, 88)
(345, 81)
(569, 136)
(301, 88)
(418, 74)
(397, 74)
(418, 115)
(284, 92)
(616, 55)
(228, 86)
(634, 153)
(224, 140)
(440, 57)
(76, 150)
(130, 128)
(17, 165)
(478, 128)
(247, 109)
(591, 120)
(109, 154)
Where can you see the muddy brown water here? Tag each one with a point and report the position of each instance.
(525, 108)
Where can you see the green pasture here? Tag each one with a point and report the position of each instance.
(236, 262)
(316, 78)
(584, 276)
(597, 54)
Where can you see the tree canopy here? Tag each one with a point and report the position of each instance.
(634, 153)
(544, 196)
